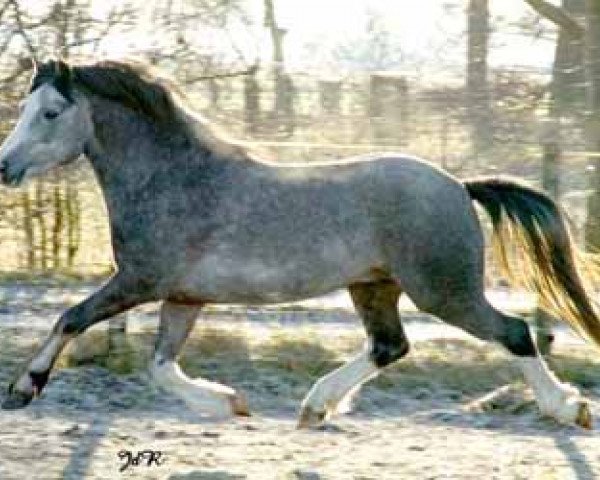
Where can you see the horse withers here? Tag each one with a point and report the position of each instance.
(196, 219)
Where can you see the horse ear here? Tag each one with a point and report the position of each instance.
(62, 71)
(63, 78)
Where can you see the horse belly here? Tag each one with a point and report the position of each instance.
(227, 277)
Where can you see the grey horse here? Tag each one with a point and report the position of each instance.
(196, 219)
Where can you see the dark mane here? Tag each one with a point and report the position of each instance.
(136, 86)
(132, 84)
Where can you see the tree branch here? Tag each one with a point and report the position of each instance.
(558, 16)
(23, 66)
(21, 30)
(4, 8)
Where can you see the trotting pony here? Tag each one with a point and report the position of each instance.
(195, 219)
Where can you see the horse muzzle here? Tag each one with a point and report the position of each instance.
(10, 175)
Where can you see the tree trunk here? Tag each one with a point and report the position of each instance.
(330, 96)
(568, 71)
(251, 103)
(478, 92)
(593, 118)
(388, 99)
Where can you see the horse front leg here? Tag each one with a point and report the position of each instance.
(117, 295)
(203, 396)
(376, 304)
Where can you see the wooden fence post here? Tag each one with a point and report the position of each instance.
(330, 95)
(284, 102)
(388, 107)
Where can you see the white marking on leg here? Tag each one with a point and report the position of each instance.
(333, 392)
(206, 397)
(558, 400)
(41, 362)
(51, 348)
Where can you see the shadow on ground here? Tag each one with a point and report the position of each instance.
(101, 381)
(107, 373)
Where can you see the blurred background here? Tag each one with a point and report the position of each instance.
(476, 86)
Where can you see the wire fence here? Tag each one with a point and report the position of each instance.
(58, 223)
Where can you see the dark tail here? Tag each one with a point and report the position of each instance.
(530, 229)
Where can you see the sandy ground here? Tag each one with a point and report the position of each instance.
(397, 430)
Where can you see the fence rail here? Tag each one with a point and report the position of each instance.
(58, 223)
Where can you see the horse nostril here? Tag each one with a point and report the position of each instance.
(3, 170)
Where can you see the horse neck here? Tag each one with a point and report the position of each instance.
(129, 149)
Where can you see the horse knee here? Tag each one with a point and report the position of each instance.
(385, 350)
(516, 337)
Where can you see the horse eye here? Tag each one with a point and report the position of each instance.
(50, 114)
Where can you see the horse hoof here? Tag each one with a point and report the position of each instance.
(16, 400)
(310, 418)
(239, 405)
(584, 416)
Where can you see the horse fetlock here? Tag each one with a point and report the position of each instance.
(515, 336)
(385, 353)
(39, 381)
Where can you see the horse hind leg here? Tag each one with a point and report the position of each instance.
(555, 399)
(560, 401)
(376, 304)
(205, 397)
